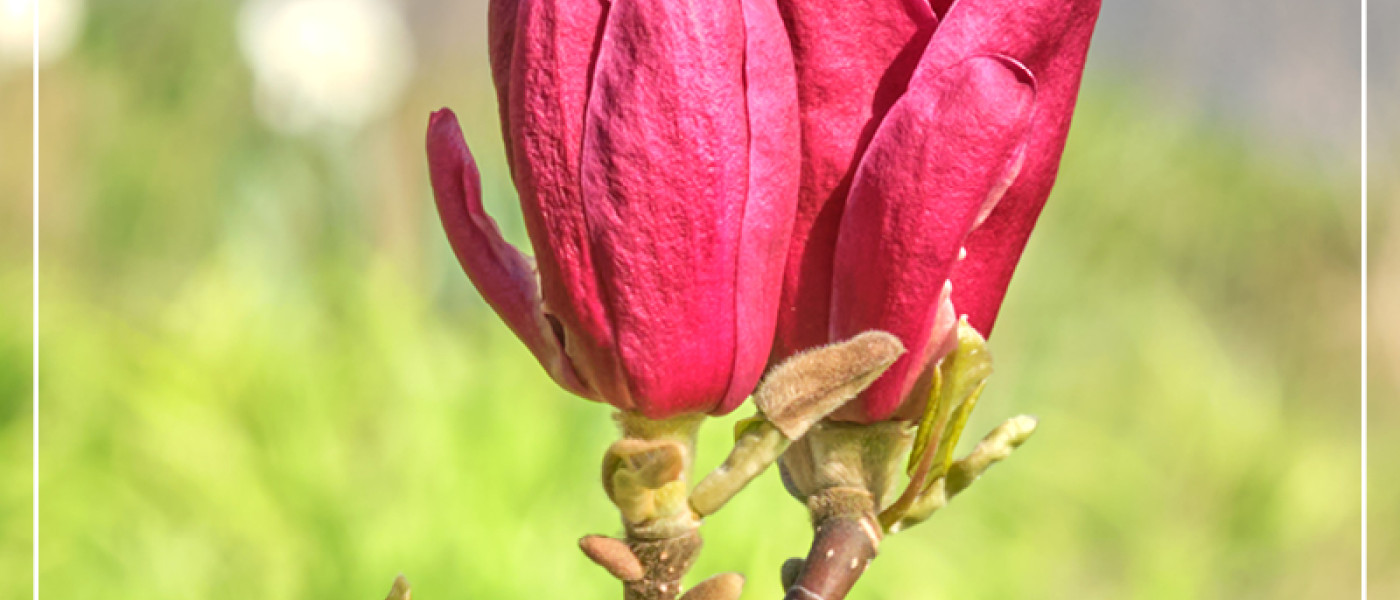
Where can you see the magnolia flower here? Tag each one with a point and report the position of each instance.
(654, 146)
(931, 138)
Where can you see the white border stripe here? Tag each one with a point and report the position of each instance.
(1364, 303)
(34, 510)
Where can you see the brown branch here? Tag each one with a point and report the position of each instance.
(847, 536)
(649, 569)
(665, 561)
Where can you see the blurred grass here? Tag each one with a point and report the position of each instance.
(16, 393)
(266, 378)
(1384, 350)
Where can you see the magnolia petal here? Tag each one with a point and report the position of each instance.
(936, 159)
(1051, 38)
(500, 34)
(854, 59)
(774, 163)
(940, 7)
(550, 65)
(504, 276)
(943, 340)
(664, 182)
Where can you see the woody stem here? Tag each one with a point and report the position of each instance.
(847, 536)
(665, 561)
(645, 475)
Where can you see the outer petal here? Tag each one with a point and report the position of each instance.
(548, 81)
(940, 7)
(854, 59)
(500, 32)
(505, 278)
(774, 163)
(1051, 37)
(937, 158)
(665, 177)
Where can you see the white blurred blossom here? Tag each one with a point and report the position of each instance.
(57, 27)
(324, 63)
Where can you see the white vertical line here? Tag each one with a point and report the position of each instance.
(1365, 351)
(34, 238)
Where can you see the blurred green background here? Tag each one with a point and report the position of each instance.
(264, 375)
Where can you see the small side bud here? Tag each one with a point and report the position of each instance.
(725, 586)
(758, 445)
(613, 555)
(808, 386)
(400, 589)
(991, 450)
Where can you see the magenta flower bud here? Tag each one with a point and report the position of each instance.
(962, 160)
(854, 58)
(654, 147)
